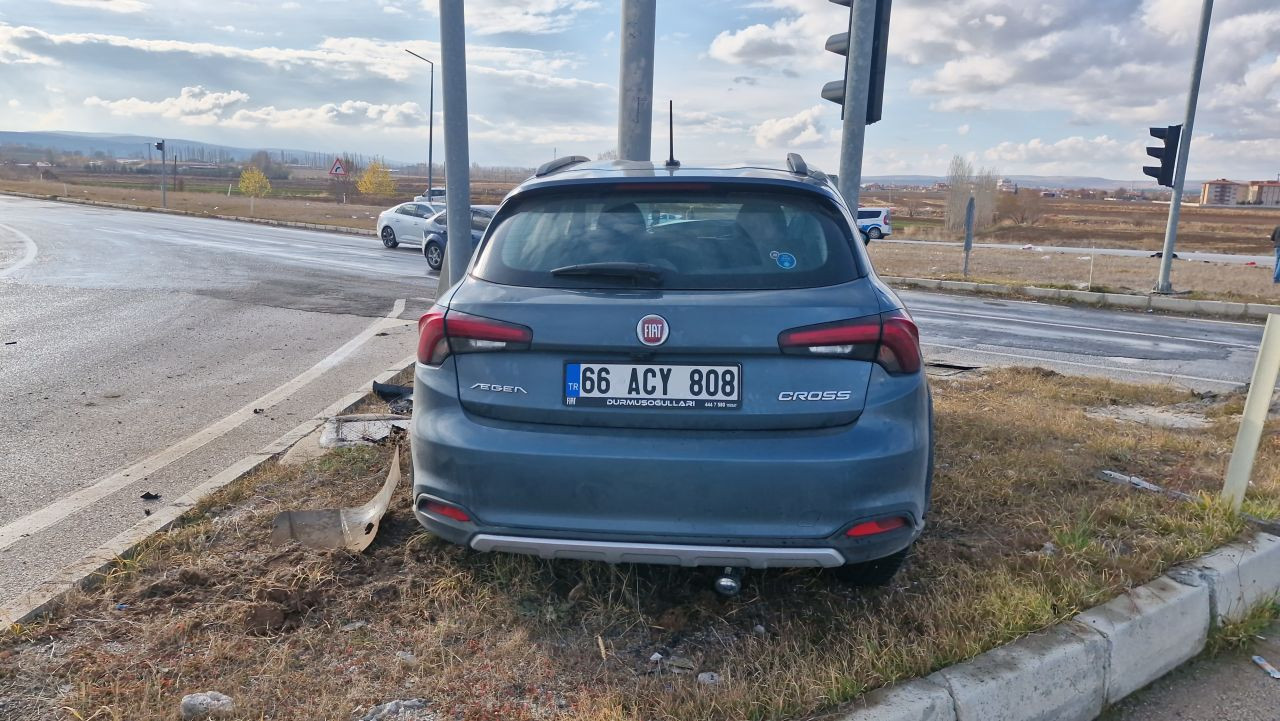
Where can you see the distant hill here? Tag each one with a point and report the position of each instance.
(135, 146)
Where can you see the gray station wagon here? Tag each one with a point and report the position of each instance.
(692, 366)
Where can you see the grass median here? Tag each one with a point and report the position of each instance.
(1021, 536)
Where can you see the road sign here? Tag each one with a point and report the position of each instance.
(338, 168)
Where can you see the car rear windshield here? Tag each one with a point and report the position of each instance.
(686, 238)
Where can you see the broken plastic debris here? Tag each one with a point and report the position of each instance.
(361, 429)
(350, 528)
(149, 496)
(399, 399)
(1271, 670)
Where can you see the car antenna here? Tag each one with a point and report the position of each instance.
(671, 136)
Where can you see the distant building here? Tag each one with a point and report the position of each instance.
(1223, 192)
(1007, 186)
(1264, 192)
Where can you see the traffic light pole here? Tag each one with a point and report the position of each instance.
(862, 25)
(457, 163)
(1184, 145)
(635, 80)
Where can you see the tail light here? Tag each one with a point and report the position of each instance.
(890, 339)
(440, 336)
(872, 528)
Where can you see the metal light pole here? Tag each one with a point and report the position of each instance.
(431, 123)
(635, 80)
(857, 78)
(1184, 146)
(457, 162)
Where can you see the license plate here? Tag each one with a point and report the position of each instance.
(624, 385)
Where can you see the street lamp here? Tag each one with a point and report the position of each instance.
(431, 124)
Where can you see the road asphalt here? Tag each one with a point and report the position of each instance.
(1227, 687)
(137, 346)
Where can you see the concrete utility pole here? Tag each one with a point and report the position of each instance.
(635, 80)
(857, 77)
(1184, 146)
(457, 161)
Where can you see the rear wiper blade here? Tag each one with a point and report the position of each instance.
(635, 271)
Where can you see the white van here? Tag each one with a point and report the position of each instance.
(874, 222)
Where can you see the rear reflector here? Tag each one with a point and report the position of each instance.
(871, 528)
(443, 509)
(443, 332)
(890, 339)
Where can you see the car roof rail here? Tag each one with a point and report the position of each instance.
(552, 166)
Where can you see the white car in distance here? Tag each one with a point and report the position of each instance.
(405, 222)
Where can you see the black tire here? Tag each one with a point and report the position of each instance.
(874, 233)
(872, 573)
(434, 255)
(389, 237)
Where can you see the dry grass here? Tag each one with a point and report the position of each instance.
(1111, 273)
(207, 606)
(1073, 221)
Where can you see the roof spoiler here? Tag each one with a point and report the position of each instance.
(552, 166)
(796, 164)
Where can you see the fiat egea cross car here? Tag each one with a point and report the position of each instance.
(647, 364)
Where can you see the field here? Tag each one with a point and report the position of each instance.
(1079, 222)
(1049, 268)
(1021, 536)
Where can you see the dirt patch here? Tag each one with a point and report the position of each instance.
(208, 606)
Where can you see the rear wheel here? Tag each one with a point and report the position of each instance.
(874, 233)
(434, 255)
(389, 237)
(872, 573)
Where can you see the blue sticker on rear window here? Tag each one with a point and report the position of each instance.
(786, 261)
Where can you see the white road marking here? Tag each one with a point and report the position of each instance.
(28, 256)
(87, 496)
(1250, 346)
(1112, 369)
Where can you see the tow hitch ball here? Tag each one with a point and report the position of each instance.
(729, 582)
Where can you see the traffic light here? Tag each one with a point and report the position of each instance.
(1167, 155)
(839, 44)
(160, 146)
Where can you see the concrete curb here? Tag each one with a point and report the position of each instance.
(1218, 308)
(87, 571)
(1072, 671)
(169, 211)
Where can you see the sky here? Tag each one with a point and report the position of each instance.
(1046, 87)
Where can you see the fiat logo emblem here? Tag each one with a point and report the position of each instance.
(652, 330)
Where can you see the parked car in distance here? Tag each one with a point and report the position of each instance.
(733, 389)
(435, 196)
(435, 236)
(402, 222)
(874, 222)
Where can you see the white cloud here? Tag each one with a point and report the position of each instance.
(193, 106)
(795, 39)
(354, 113)
(528, 17)
(113, 6)
(796, 131)
(963, 129)
(291, 6)
(14, 103)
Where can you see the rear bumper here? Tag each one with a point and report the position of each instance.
(660, 553)
(731, 498)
